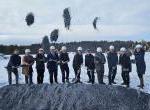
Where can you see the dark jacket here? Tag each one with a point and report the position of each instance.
(125, 62)
(15, 60)
(99, 62)
(77, 60)
(52, 59)
(112, 59)
(64, 57)
(140, 61)
(89, 61)
(40, 61)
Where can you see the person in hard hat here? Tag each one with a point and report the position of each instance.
(112, 58)
(27, 62)
(125, 62)
(99, 65)
(40, 65)
(52, 64)
(77, 63)
(140, 63)
(89, 63)
(64, 60)
(13, 65)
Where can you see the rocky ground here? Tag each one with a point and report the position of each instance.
(72, 97)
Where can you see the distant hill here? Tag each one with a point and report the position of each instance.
(73, 45)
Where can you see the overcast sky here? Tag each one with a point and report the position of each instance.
(120, 20)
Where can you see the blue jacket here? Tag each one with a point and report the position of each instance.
(112, 59)
(140, 61)
(52, 61)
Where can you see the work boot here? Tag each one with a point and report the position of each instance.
(141, 83)
(89, 81)
(127, 85)
(109, 83)
(92, 82)
(56, 82)
(67, 80)
(114, 82)
(103, 83)
(123, 83)
(77, 81)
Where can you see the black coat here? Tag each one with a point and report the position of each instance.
(52, 59)
(64, 57)
(89, 61)
(15, 60)
(125, 62)
(77, 60)
(40, 61)
(112, 59)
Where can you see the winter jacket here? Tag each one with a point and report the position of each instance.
(99, 62)
(40, 61)
(77, 60)
(125, 62)
(15, 60)
(64, 57)
(140, 61)
(112, 59)
(52, 59)
(89, 61)
(28, 60)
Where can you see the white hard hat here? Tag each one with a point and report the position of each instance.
(16, 51)
(111, 47)
(79, 49)
(123, 49)
(41, 49)
(99, 49)
(27, 50)
(138, 46)
(63, 48)
(52, 47)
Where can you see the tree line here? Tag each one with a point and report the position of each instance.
(71, 46)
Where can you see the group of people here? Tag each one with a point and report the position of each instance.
(93, 63)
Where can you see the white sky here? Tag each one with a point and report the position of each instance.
(120, 20)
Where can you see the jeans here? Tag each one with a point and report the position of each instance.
(15, 71)
(65, 72)
(53, 73)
